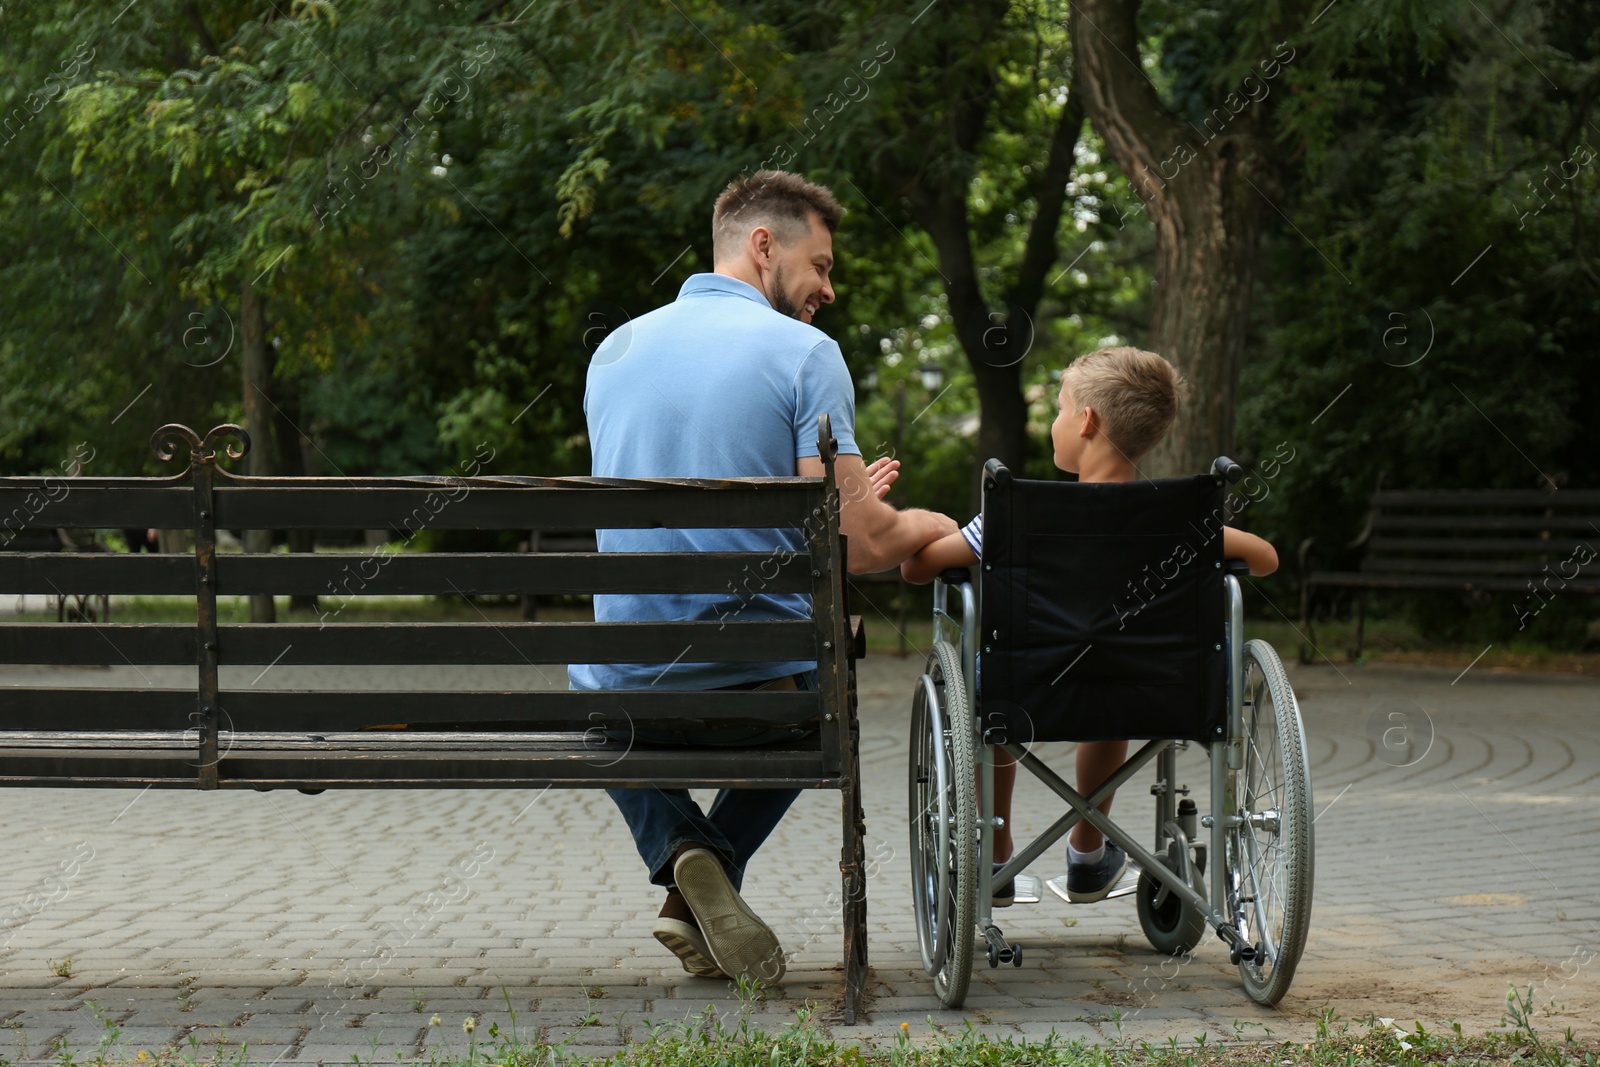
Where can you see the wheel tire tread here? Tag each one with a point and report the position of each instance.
(1298, 849)
(951, 983)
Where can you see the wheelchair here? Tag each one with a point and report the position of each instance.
(1108, 613)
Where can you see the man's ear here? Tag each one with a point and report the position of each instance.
(762, 244)
(1091, 423)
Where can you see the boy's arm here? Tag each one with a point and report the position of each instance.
(934, 558)
(1256, 551)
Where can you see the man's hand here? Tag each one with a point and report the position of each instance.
(883, 472)
(880, 536)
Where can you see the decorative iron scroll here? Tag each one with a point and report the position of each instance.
(163, 443)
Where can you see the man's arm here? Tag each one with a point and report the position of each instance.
(1256, 551)
(932, 560)
(880, 536)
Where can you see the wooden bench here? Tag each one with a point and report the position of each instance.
(1529, 542)
(213, 736)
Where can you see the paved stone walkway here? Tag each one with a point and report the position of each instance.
(1453, 857)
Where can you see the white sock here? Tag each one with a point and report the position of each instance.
(1094, 856)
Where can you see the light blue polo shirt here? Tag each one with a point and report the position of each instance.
(714, 385)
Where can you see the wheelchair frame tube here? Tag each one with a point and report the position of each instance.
(1080, 805)
(966, 639)
(1226, 758)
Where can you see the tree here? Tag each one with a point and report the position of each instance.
(1202, 188)
(1452, 179)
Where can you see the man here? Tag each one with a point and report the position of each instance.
(728, 381)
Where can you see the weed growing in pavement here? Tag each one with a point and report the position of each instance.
(708, 1040)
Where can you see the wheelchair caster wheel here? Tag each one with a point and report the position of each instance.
(1016, 955)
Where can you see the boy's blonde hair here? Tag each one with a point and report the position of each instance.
(1135, 393)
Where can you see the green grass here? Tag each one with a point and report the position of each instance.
(736, 1039)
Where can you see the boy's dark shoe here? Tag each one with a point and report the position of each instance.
(1089, 882)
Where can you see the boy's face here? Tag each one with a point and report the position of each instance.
(1067, 432)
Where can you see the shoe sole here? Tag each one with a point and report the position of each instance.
(1104, 891)
(740, 944)
(684, 942)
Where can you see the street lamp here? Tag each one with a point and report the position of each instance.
(932, 376)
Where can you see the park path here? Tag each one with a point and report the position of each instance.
(1450, 862)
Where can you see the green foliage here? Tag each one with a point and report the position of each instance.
(446, 206)
(1424, 275)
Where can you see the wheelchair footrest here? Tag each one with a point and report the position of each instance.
(999, 950)
(1029, 889)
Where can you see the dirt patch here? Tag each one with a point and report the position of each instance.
(1472, 993)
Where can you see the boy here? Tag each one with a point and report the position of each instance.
(1115, 406)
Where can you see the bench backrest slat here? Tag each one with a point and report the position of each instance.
(1476, 500)
(400, 643)
(408, 510)
(387, 573)
(468, 504)
(586, 713)
(1461, 566)
(1501, 547)
(65, 504)
(1536, 524)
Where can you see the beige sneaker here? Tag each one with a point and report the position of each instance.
(740, 944)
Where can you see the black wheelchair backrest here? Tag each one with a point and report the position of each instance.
(1102, 610)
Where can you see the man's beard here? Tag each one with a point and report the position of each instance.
(781, 303)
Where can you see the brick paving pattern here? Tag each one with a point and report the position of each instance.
(1453, 857)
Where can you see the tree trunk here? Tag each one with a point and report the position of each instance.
(1202, 311)
(258, 423)
(993, 353)
(1195, 183)
(292, 460)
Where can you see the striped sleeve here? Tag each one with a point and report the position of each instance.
(973, 533)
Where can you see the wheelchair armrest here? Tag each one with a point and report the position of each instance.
(1237, 567)
(955, 576)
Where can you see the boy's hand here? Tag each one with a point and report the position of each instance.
(883, 472)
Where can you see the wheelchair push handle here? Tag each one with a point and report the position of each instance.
(1223, 467)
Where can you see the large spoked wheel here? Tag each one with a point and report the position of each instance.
(944, 817)
(1270, 850)
(1169, 923)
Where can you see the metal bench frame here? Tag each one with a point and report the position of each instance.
(209, 737)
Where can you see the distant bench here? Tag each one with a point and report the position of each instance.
(209, 737)
(69, 606)
(1536, 544)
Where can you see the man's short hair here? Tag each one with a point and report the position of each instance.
(1135, 393)
(776, 199)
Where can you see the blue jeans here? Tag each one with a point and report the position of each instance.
(662, 820)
